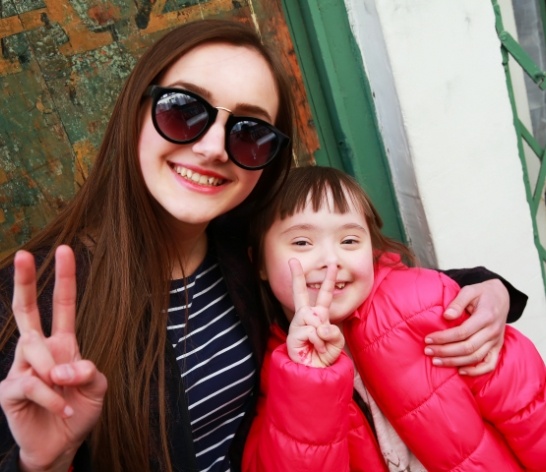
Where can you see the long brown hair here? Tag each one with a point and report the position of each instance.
(313, 184)
(121, 318)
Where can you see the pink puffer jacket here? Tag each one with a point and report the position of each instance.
(494, 422)
(307, 421)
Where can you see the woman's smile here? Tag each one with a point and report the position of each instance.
(197, 182)
(197, 177)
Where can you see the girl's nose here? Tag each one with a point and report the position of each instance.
(212, 145)
(331, 258)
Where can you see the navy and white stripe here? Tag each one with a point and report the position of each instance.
(215, 359)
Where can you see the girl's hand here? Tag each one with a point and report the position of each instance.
(475, 344)
(51, 397)
(312, 340)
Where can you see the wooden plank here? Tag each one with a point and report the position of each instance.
(62, 65)
(274, 30)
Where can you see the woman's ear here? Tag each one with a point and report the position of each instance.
(261, 272)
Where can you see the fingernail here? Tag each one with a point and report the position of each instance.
(463, 372)
(428, 340)
(64, 372)
(437, 361)
(450, 312)
(429, 351)
(68, 411)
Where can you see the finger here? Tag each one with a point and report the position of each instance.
(488, 364)
(300, 345)
(457, 334)
(25, 308)
(64, 293)
(471, 357)
(305, 336)
(32, 351)
(82, 374)
(482, 325)
(334, 342)
(318, 344)
(490, 295)
(331, 335)
(326, 292)
(299, 335)
(15, 392)
(458, 341)
(464, 331)
(299, 286)
(306, 316)
(300, 317)
(312, 318)
(464, 299)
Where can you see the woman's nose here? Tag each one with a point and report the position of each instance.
(212, 145)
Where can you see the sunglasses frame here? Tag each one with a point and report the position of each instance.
(155, 92)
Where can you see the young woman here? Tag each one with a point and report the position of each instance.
(165, 318)
(328, 269)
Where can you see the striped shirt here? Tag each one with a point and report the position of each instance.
(215, 359)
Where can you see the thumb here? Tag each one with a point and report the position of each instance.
(457, 307)
(334, 343)
(464, 301)
(453, 311)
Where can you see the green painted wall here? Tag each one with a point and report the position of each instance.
(341, 101)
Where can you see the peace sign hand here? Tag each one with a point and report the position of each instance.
(312, 340)
(51, 397)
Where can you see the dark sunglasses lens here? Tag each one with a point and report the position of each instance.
(253, 144)
(180, 117)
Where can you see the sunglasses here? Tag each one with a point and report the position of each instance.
(182, 117)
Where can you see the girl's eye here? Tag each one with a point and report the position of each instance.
(300, 242)
(350, 241)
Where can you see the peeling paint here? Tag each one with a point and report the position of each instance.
(62, 65)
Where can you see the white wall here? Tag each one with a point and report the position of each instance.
(435, 68)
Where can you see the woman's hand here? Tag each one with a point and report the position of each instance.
(51, 397)
(474, 346)
(312, 340)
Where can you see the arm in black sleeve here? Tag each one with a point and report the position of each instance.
(463, 277)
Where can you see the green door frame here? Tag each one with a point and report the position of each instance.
(341, 101)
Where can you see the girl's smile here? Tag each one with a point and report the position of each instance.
(318, 239)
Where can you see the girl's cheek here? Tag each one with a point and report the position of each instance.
(282, 290)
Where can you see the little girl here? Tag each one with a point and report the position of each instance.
(322, 258)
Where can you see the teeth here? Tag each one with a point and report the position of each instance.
(197, 178)
(339, 285)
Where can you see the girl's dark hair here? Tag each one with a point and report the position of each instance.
(128, 249)
(315, 184)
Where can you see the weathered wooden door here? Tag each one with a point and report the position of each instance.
(62, 65)
(63, 62)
